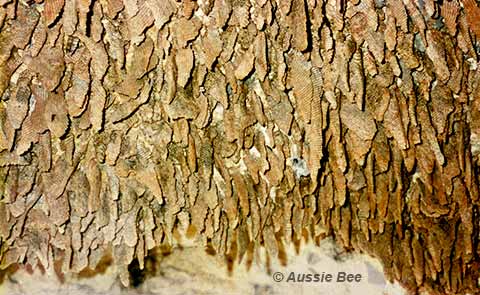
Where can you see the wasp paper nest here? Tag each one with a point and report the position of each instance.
(128, 126)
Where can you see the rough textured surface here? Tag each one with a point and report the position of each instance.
(179, 274)
(133, 126)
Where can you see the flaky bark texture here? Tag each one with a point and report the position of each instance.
(127, 126)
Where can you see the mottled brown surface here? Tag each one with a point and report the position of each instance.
(127, 126)
(191, 271)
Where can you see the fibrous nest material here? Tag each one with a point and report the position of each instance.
(128, 126)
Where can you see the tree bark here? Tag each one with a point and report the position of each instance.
(129, 127)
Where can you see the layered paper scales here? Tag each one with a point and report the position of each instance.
(132, 126)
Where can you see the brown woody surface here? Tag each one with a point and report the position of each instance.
(127, 126)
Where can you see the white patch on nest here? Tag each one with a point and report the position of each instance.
(217, 114)
(299, 166)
